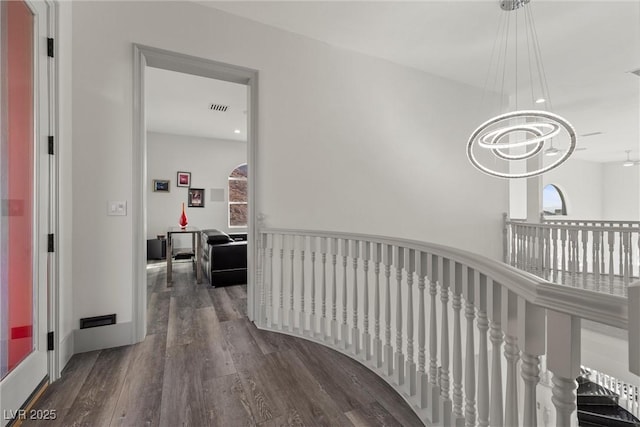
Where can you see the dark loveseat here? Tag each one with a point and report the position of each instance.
(224, 260)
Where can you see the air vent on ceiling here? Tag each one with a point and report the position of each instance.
(636, 72)
(218, 107)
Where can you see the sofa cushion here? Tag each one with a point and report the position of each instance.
(216, 237)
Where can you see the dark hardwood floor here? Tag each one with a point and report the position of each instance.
(203, 363)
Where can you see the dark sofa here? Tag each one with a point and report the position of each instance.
(224, 260)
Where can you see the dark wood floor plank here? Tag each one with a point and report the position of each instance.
(180, 325)
(99, 394)
(211, 344)
(305, 392)
(236, 291)
(348, 394)
(271, 341)
(183, 396)
(60, 395)
(372, 414)
(225, 308)
(227, 402)
(158, 313)
(144, 378)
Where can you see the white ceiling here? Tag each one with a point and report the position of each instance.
(588, 49)
(178, 104)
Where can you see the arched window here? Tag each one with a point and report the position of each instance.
(553, 201)
(238, 197)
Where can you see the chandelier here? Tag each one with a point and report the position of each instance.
(520, 143)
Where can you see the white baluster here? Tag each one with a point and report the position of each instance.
(483, 361)
(323, 296)
(456, 366)
(563, 360)
(281, 313)
(302, 321)
(531, 334)
(494, 307)
(410, 369)
(398, 258)
(596, 258)
(260, 279)
(377, 342)
(621, 254)
(626, 243)
(355, 331)
(292, 285)
(563, 242)
(366, 336)
(554, 237)
(388, 349)
(344, 336)
(468, 289)
(334, 292)
(585, 267)
(313, 324)
(434, 392)
(445, 401)
(611, 249)
(423, 378)
(270, 285)
(512, 354)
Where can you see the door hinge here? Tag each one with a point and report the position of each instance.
(51, 145)
(50, 243)
(50, 47)
(50, 339)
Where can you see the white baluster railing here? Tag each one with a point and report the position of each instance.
(475, 318)
(597, 255)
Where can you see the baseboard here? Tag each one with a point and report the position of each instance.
(66, 350)
(102, 337)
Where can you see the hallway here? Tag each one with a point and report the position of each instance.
(204, 364)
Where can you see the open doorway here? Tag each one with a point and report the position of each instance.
(195, 123)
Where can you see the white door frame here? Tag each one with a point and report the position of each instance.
(19, 384)
(149, 56)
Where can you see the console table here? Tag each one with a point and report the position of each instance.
(195, 245)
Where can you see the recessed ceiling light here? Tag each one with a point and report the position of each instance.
(540, 100)
(236, 131)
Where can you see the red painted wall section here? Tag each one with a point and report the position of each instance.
(20, 179)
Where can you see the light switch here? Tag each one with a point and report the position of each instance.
(117, 208)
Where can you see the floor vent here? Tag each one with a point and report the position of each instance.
(93, 322)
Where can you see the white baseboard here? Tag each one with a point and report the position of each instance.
(66, 350)
(102, 337)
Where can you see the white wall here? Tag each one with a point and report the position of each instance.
(346, 141)
(581, 183)
(621, 191)
(210, 162)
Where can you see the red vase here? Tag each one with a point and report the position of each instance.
(183, 218)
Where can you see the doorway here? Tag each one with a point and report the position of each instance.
(145, 59)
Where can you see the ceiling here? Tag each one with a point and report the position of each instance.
(588, 50)
(179, 104)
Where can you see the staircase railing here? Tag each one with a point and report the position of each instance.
(433, 321)
(597, 255)
(628, 392)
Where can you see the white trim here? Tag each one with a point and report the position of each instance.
(103, 337)
(19, 384)
(65, 350)
(149, 56)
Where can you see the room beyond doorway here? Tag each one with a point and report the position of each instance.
(149, 63)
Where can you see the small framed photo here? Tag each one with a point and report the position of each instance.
(184, 179)
(196, 198)
(161, 185)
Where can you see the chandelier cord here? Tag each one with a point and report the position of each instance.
(485, 87)
(504, 65)
(539, 63)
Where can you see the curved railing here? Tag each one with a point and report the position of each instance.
(597, 255)
(438, 343)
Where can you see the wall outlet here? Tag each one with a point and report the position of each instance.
(117, 208)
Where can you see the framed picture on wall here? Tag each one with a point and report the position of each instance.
(161, 185)
(196, 198)
(184, 179)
